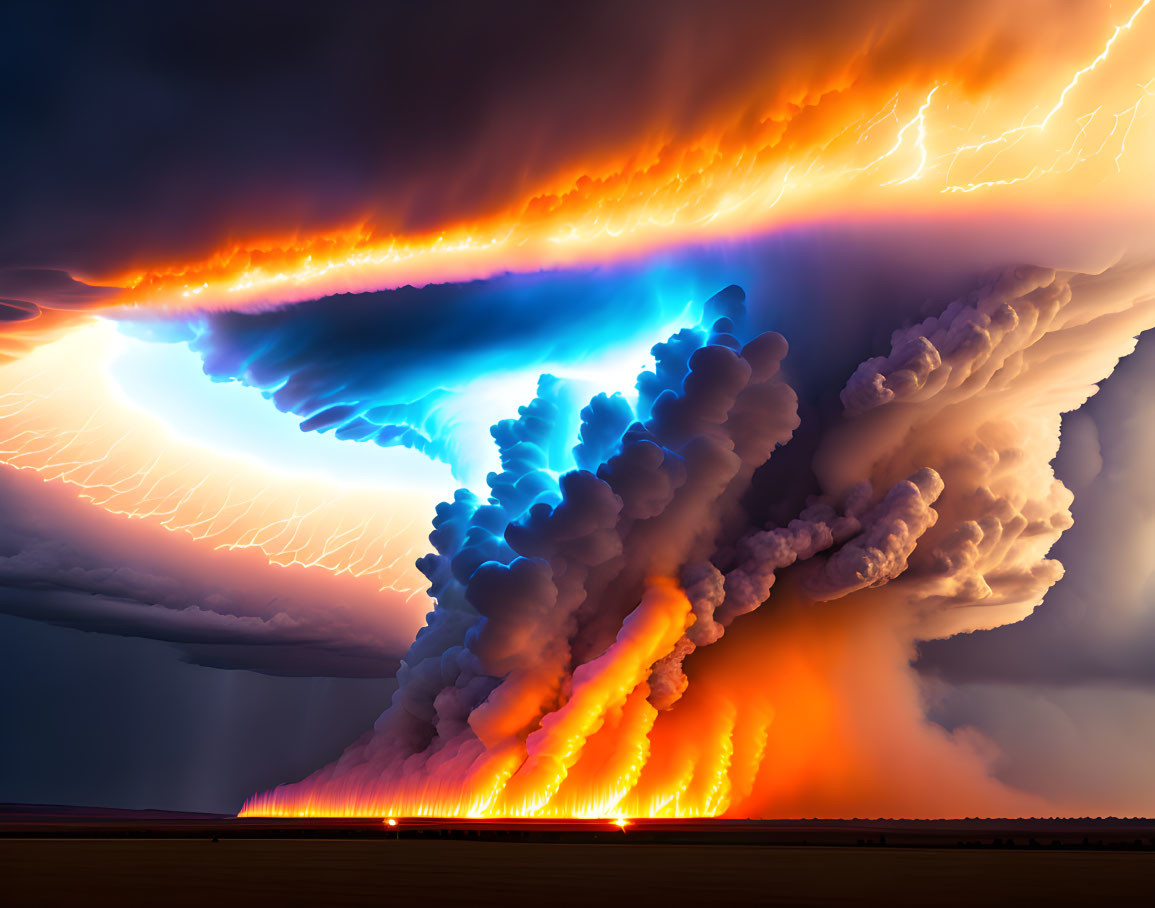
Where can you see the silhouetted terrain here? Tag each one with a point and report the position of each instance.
(58, 855)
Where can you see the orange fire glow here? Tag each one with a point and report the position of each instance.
(604, 753)
(773, 722)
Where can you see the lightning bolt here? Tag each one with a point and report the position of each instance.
(127, 463)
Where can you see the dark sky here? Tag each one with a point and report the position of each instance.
(100, 720)
(147, 129)
(136, 131)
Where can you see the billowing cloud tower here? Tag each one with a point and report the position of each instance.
(790, 569)
(593, 650)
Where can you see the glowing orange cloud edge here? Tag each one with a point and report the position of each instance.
(60, 417)
(918, 148)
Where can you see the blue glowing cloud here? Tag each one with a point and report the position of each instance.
(439, 370)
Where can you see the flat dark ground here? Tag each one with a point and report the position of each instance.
(52, 856)
(384, 872)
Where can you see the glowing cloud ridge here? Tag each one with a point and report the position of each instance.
(847, 146)
(64, 417)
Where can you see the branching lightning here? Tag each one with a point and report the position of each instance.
(60, 418)
(949, 144)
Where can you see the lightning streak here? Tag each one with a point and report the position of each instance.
(61, 418)
(946, 145)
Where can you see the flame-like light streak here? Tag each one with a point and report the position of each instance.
(591, 757)
(946, 146)
(617, 753)
(598, 686)
(62, 418)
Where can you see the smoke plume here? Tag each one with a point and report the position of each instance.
(592, 649)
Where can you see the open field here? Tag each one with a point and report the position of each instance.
(59, 856)
(291, 871)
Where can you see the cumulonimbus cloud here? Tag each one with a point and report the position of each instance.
(937, 501)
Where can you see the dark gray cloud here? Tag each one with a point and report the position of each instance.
(64, 562)
(50, 288)
(103, 720)
(141, 132)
